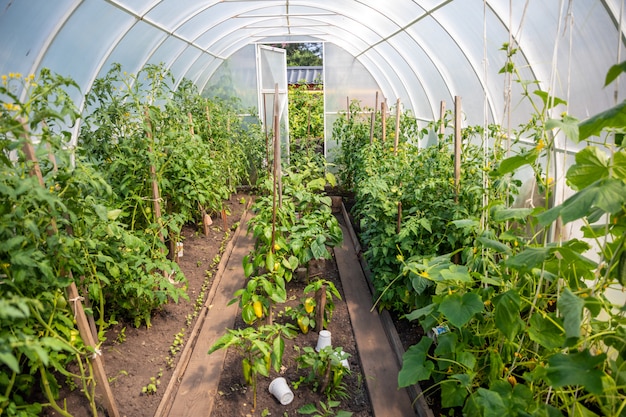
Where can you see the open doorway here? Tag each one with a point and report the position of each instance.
(305, 79)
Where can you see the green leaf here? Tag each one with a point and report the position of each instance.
(571, 308)
(307, 409)
(591, 165)
(548, 100)
(508, 214)
(544, 331)
(453, 392)
(619, 164)
(528, 259)
(318, 247)
(568, 125)
(460, 309)
(579, 368)
(507, 313)
(606, 194)
(494, 245)
(10, 360)
(615, 117)
(415, 366)
(456, 273)
(614, 72)
(512, 163)
(485, 403)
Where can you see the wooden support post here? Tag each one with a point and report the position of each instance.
(399, 222)
(372, 122)
(383, 118)
(320, 301)
(376, 104)
(457, 147)
(347, 108)
(102, 382)
(190, 123)
(397, 137)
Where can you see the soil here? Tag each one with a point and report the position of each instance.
(137, 357)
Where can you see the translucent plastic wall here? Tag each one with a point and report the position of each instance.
(345, 79)
(236, 77)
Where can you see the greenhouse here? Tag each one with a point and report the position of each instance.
(327, 208)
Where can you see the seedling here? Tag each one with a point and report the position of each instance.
(324, 410)
(326, 371)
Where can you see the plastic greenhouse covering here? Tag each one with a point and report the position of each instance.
(421, 56)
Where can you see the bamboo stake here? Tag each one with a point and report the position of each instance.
(84, 329)
(397, 137)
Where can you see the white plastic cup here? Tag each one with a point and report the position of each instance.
(344, 362)
(323, 340)
(280, 389)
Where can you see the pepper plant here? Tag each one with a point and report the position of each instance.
(261, 349)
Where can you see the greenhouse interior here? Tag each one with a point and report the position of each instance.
(195, 194)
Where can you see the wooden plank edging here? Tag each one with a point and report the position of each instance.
(415, 392)
(170, 393)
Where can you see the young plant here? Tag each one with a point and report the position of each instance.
(261, 349)
(257, 298)
(324, 410)
(330, 292)
(326, 370)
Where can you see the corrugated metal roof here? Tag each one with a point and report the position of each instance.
(310, 75)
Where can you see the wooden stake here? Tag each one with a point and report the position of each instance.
(397, 137)
(347, 108)
(320, 301)
(442, 114)
(383, 117)
(372, 121)
(156, 198)
(457, 148)
(102, 382)
(399, 223)
(190, 123)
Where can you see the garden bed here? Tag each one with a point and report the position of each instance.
(136, 358)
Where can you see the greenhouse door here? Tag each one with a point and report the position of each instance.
(272, 75)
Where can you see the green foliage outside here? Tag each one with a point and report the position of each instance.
(306, 115)
(93, 221)
(534, 328)
(302, 54)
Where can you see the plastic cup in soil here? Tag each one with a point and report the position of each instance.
(323, 340)
(280, 389)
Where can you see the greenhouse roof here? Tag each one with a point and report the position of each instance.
(420, 51)
(307, 75)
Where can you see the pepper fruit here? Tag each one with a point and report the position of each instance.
(303, 324)
(247, 371)
(309, 305)
(258, 309)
